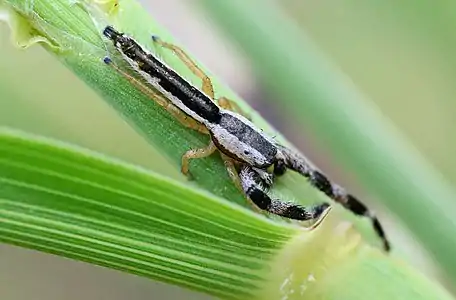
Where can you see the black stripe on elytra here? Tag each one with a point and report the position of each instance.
(170, 81)
(189, 95)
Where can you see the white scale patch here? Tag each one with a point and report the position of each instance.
(236, 146)
(232, 143)
(246, 180)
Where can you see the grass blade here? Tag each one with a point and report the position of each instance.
(76, 203)
(79, 204)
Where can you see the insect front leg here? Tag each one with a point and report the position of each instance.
(233, 172)
(255, 189)
(294, 161)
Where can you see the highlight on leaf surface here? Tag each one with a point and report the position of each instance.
(23, 35)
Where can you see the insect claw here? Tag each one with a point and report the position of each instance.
(107, 60)
(321, 218)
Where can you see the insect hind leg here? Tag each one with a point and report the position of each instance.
(207, 86)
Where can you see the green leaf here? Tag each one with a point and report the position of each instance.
(72, 202)
(82, 205)
(76, 203)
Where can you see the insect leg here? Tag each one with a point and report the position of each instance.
(185, 120)
(298, 163)
(234, 175)
(207, 88)
(233, 106)
(159, 99)
(255, 189)
(232, 171)
(196, 153)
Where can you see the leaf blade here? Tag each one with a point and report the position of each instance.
(130, 219)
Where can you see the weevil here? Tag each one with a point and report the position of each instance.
(252, 158)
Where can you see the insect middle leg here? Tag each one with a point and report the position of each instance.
(196, 153)
(207, 86)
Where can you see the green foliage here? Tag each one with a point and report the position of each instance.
(79, 204)
(69, 201)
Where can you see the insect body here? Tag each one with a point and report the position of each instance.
(252, 158)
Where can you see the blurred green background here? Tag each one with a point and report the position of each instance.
(400, 54)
